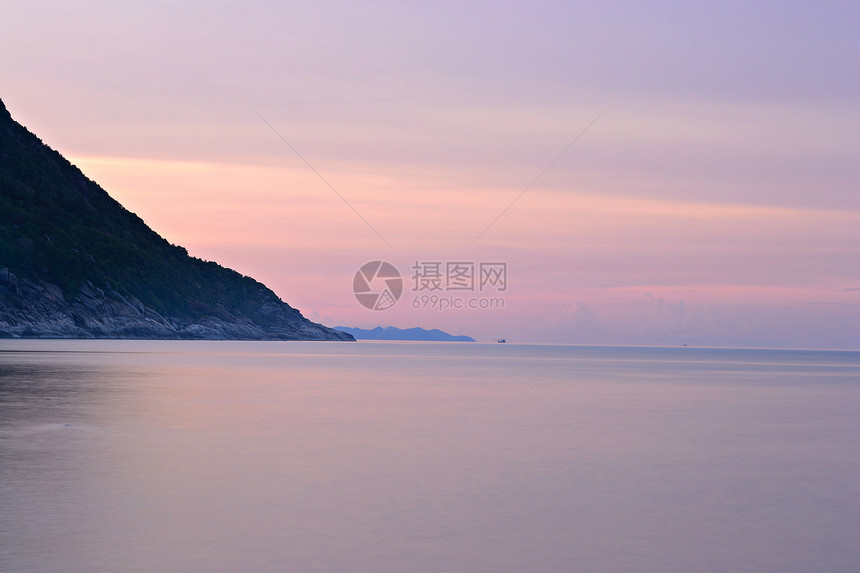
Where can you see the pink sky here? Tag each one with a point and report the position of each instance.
(714, 202)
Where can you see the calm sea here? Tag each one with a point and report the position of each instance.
(121, 456)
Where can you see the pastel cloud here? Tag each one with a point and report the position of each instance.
(581, 265)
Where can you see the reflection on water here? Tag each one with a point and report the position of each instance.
(224, 456)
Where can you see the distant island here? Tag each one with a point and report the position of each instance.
(392, 333)
(74, 263)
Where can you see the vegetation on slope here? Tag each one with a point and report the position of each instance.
(59, 227)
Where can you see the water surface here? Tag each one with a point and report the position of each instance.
(162, 456)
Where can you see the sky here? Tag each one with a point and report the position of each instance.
(658, 173)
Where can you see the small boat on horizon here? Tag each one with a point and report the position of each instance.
(501, 341)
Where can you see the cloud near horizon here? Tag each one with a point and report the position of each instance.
(592, 269)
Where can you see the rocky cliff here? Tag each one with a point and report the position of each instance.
(74, 263)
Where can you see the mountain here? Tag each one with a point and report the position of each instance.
(74, 263)
(392, 333)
